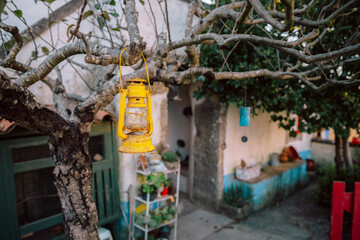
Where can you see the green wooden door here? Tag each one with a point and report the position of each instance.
(28, 199)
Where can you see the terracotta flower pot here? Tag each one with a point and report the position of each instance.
(310, 164)
(284, 157)
(292, 153)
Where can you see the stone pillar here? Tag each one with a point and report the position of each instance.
(210, 122)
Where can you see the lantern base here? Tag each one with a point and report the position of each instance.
(136, 144)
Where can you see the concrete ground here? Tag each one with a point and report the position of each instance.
(296, 217)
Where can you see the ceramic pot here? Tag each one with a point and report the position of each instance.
(284, 157)
(165, 191)
(274, 159)
(292, 153)
(171, 165)
(310, 164)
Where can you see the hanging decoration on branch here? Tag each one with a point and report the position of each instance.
(176, 98)
(135, 124)
(245, 117)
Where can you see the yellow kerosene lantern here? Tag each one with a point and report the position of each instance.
(135, 124)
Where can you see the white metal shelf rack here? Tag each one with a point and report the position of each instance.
(146, 229)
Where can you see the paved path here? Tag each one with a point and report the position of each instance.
(297, 217)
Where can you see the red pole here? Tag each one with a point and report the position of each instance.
(337, 210)
(356, 213)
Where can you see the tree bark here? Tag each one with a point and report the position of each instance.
(339, 155)
(68, 144)
(347, 156)
(73, 180)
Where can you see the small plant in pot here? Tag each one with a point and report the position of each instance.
(234, 204)
(167, 184)
(153, 182)
(170, 160)
(146, 189)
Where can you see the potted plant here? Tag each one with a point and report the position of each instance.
(234, 204)
(152, 220)
(153, 182)
(146, 189)
(170, 160)
(167, 184)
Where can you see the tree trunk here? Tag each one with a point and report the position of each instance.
(347, 157)
(73, 180)
(339, 155)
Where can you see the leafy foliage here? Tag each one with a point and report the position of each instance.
(156, 179)
(167, 183)
(148, 188)
(334, 107)
(156, 216)
(322, 194)
(169, 157)
(234, 196)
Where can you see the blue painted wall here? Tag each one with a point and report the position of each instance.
(270, 190)
(305, 154)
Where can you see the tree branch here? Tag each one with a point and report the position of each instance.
(132, 20)
(260, 9)
(9, 59)
(19, 105)
(129, 57)
(323, 56)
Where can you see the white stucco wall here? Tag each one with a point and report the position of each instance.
(264, 137)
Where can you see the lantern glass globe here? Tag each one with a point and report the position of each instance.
(136, 119)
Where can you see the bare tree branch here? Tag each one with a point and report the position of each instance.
(9, 59)
(129, 57)
(78, 21)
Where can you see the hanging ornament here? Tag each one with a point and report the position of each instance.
(245, 117)
(135, 124)
(177, 98)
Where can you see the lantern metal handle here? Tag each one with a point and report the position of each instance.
(123, 96)
(147, 72)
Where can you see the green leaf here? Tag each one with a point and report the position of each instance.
(34, 54)
(116, 29)
(87, 14)
(97, 6)
(101, 22)
(45, 50)
(114, 14)
(106, 15)
(9, 44)
(142, 2)
(2, 6)
(68, 29)
(49, 1)
(112, 3)
(18, 13)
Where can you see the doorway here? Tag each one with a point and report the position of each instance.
(179, 129)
